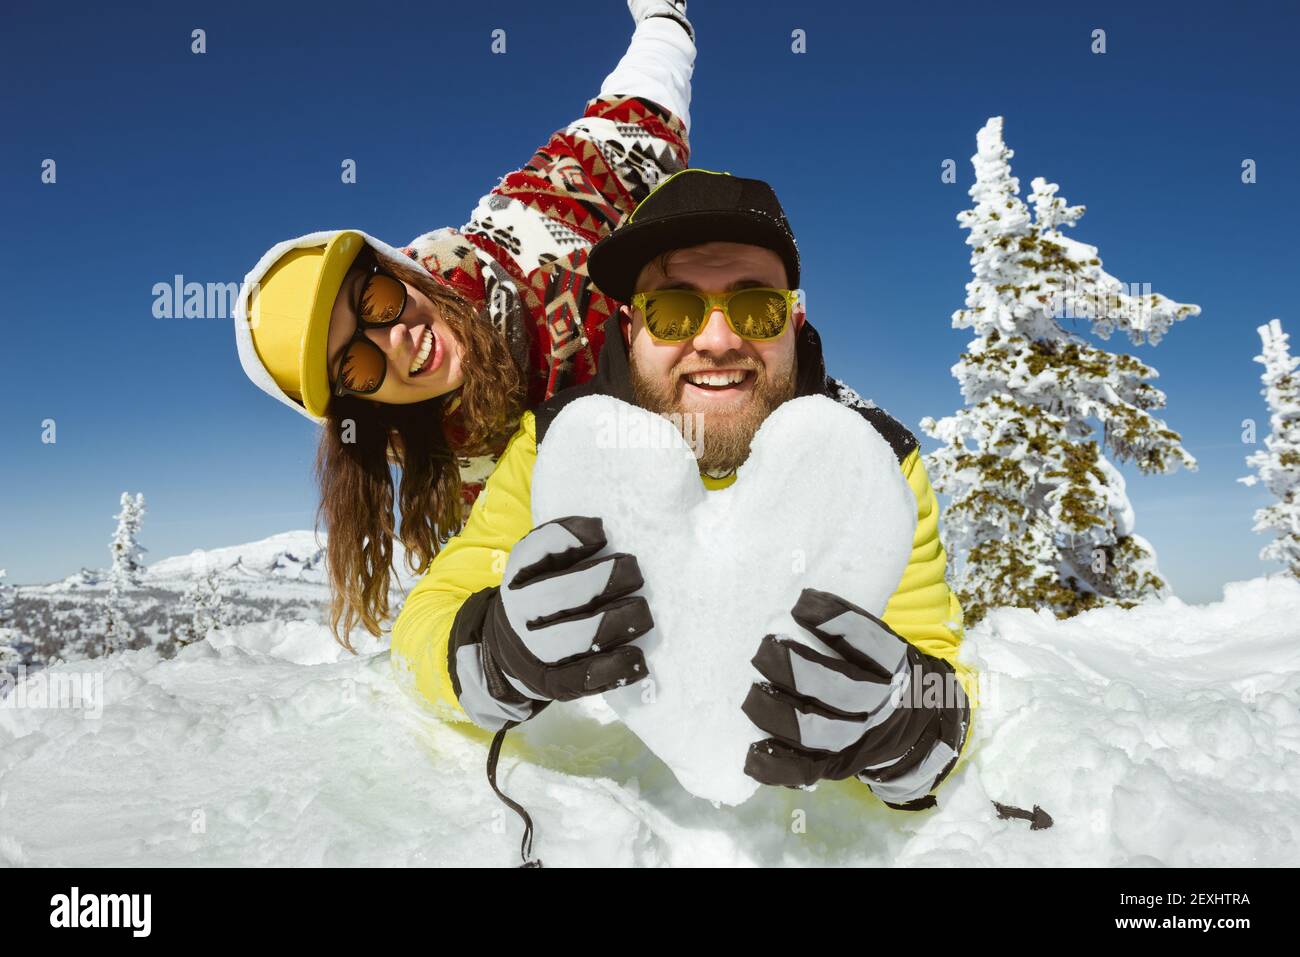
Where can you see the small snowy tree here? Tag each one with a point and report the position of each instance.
(8, 654)
(1277, 465)
(1039, 517)
(116, 631)
(204, 602)
(127, 560)
(6, 600)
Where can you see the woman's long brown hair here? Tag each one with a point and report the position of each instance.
(362, 443)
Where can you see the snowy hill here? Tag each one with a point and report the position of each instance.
(295, 556)
(278, 579)
(1168, 734)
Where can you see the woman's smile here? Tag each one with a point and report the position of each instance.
(429, 356)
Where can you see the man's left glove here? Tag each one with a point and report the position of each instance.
(874, 713)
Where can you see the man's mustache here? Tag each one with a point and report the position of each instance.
(736, 361)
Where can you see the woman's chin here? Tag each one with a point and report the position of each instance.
(444, 384)
(444, 379)
(435, 391)
(410, 394)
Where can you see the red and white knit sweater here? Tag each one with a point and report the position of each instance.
(521, 260)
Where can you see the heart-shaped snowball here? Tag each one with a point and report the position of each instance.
(820, 503)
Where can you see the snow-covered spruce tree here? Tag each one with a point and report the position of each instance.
(1039, 516)
(8, 654)
(115, 630)
(124, 574)
(1277, 465)
(128, 564)
(6, 600)
(204, 602)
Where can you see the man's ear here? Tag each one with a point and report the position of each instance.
(800, 313)
(625, 323)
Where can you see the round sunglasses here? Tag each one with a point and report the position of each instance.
(362, 365)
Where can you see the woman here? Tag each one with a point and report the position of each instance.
(424, 357)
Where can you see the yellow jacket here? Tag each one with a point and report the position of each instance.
(923, 609)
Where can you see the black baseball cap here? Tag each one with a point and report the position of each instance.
(690, 208)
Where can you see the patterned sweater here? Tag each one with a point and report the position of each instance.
(521, 260)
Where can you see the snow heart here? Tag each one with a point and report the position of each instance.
(821, 503)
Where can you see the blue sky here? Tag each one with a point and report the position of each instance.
(171, 163)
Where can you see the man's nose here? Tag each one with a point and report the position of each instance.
(716, 335)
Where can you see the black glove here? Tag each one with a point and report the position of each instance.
(874, 713)
(559, 627)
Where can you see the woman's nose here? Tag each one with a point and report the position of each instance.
(393, 339)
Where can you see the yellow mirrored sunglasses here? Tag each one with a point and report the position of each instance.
(758, 314)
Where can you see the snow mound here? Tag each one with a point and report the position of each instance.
(1169, 733)
(299, 642)
(1164, 735)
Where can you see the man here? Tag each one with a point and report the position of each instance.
(707, 265)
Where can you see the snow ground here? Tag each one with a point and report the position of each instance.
(1165, 735)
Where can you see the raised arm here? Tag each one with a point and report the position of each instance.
(659, 60)
(591, 174)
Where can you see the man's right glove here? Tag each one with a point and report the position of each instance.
(559, 626)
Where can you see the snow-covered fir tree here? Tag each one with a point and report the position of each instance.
(116, 631)
(125, 550)
(8, 654)
(204, 602)
(7, 594)
(1039, 516)
(1277, 465)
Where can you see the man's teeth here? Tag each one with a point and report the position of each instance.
(730, 377)
(426, 346)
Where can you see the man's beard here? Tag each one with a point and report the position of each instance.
(722, 441)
